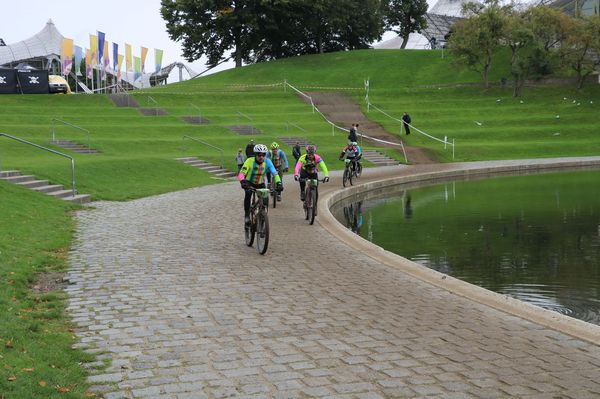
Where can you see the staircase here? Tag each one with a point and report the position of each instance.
(152, 111)
(208, 167)
(291, 141)
(43, 186)
(377, 158)
(74, 147)
(196, 120)
(245, 130)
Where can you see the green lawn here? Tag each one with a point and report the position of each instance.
(138, 154)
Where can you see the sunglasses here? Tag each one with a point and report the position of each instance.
(261, 155)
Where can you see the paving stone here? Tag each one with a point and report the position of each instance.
(171, 295)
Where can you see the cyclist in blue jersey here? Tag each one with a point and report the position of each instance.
(279, 159)
(252, 175)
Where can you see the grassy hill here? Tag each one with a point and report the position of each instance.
(137, 159)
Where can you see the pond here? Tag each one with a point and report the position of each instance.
(534, 237)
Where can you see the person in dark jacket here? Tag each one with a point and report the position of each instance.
(297, 151)
(250, 149)
(352, 133)
(406, 121)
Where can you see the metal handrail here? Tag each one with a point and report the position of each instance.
(247, 117)
(199, 112)
(50, 150)
(299, 128)
(151, 99)
(205, 143)
(54, 120)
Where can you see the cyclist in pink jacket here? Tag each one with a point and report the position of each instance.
(307, 166)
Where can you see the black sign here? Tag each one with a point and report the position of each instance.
(8, 81)
(33, 82)
(2, 42)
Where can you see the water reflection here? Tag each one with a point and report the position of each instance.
(536, 238)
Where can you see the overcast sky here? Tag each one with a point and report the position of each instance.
(137, 22)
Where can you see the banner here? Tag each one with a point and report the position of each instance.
(137, 68)
(66, 56)
(119, 66)
(8, 81)
(106, 60)
(158, 55)
(33, 82)
(100, 47)
(78, 58)
(93, 49)
(88, 64)
(115, 56)
(144, 54)
(128, 58)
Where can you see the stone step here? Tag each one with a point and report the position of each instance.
(74, 147)
(216, 170)
(9, 173)
(19, 178)
(61, 193)
(33, 183)
(78, 199)
(49, 188)
(43, 186)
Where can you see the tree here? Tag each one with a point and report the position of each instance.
(405, 17)
(581, 48)
(211, 27)
(259, 30)
(475, 40)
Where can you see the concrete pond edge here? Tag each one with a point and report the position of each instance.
(547, 318)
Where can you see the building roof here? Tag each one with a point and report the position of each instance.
(44, 44)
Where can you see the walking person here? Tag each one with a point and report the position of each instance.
(297, 151)
(239, 159)
(406, 122)
(352, 133)
(250, 149)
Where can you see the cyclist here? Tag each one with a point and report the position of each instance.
(279, 159)
(307, 166)
(252, 175)
(352, 152)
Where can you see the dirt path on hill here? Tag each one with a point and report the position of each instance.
(343, 111)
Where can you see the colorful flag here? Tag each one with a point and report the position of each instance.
(78, 58)
(67, 56)
(115, 56)
(88, 63)
(144, 54)
(137, 67)
(106, 59)
(158, 55)
(100, 47)
(128, 57)
(119, 66)
(93, 49)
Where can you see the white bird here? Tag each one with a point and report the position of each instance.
(521, 101)
(556, 134)
(578, 103)
(557, 116)
(591, 102)
(564, 98)
(574, 101)
(498, 100)
(478, 123)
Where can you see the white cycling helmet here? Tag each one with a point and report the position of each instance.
(260, 149)
(354, 143)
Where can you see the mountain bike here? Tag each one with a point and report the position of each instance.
(348, 173)
(273, 187)
(358, 169)
(311, 194)
(259, 221)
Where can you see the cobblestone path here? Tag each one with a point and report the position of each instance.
(167, 290)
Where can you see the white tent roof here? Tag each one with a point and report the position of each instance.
(45, 43)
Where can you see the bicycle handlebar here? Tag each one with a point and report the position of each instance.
(321, 180)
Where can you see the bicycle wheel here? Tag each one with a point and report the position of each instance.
(345, 177)
(262, 232)
(307, 203)
(249, 231)
(358, 169)
(273, 193)
(350, 175)
(313, 206)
